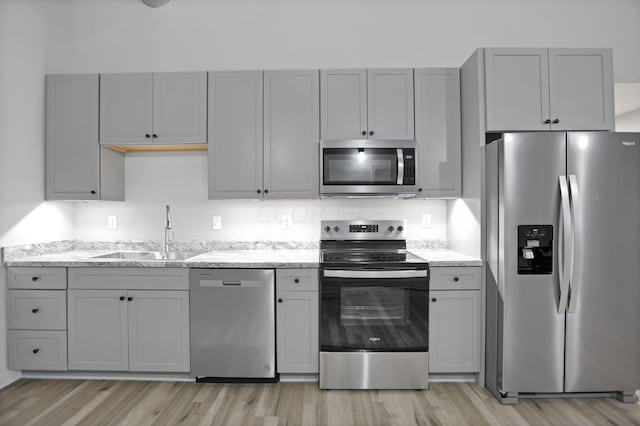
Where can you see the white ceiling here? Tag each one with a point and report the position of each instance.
(627, 97)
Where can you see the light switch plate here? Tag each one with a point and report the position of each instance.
(113, 222)
(217, 223)
(426, 220)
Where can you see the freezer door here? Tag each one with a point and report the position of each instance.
(533, 329)
(603, 331)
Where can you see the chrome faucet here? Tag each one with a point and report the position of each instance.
(167, 228)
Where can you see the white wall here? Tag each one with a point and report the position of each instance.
(35, 39)
(628, 122)
(180, 179)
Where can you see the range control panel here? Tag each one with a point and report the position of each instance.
(363, 229)
(535, 249)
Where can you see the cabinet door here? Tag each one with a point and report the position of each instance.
(97, 321)
(158, 331)
(72, 165)
(437, 99)
(297, 332)
(581, 89)
(291, 134)
(517, 89)
(180, 108)
(454, 331)
(390, 103)
(235, 135)
(343, 104)
(126, 102)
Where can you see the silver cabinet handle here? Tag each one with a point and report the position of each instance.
(375, 274)
(563, 269)
(234, 283)
(576, 260)
(400, 166)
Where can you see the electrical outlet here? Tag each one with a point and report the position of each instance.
(217, 223)
(426, 220)
(113, 222)
(286, 221)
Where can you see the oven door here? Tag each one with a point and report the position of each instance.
(374, 310)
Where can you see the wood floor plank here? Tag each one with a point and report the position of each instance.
(72, 402)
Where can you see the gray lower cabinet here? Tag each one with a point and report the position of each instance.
(297, 320)
(129, 319)
(263, 150)
(36, 318)
(124, 330)
(77, 168)
(361, 104)
(153, 108)
(529, 89)
(437, 121)
(454, 320)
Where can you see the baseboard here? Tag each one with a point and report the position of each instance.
(298, 378)
(101, 375)
(453, 378)
(7, 379)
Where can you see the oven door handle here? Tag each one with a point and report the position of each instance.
(331, 273)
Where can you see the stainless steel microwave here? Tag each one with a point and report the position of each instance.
(368, 168)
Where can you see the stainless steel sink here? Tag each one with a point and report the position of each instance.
(149, 255)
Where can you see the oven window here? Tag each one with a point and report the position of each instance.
(360, 166)
(376, 315)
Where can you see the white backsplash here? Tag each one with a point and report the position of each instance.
(180, 180)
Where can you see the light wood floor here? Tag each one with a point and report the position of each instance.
(98, 402)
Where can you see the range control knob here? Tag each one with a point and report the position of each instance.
(327, 229)
(336, 228)
(391, 228)
(400, 228)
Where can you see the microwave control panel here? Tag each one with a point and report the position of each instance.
(409, 177)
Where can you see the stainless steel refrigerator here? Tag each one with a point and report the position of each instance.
(562, 234)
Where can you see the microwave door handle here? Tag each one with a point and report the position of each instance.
(400, 154)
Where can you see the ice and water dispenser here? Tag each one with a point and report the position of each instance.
(535, 249)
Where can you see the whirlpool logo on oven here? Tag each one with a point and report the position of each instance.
(629, 143)
(374, 339)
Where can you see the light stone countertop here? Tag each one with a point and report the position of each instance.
(225, 258)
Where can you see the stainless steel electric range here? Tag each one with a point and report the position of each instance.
(374, 310)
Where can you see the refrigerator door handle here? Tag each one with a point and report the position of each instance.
(576, 260)
(563, 268)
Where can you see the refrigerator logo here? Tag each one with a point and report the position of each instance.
(629, 143)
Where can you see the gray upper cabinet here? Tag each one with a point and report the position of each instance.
(153, 108)
(235, 134)
(344, 104)
(263, 150)
(581, 89)
(376, 104)
(77, 168)
(390, 103)
(437, 118)
(548, 89)
(291, 134)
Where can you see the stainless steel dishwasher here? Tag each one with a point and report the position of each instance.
(233, 325)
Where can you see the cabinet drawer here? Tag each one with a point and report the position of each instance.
(37, 278)
(455, 278)
(37, 350)
(297, 280)
(37, 310)
(129, 278)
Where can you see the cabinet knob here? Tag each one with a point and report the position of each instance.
(35, 310)
(258, 191)
(433, 299)
(36, 350)
(147, 135)
(371, 133)
(129, 298)
(121, 298)
(279, 300)
(419, 189)
(364, 133)
(266, 191)
(547, 121)
(296, 280)
(556, 121)
(456, 279)
(154, 136)
(35, 278)
(93, 192)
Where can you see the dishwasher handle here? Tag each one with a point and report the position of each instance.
(210, 282)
